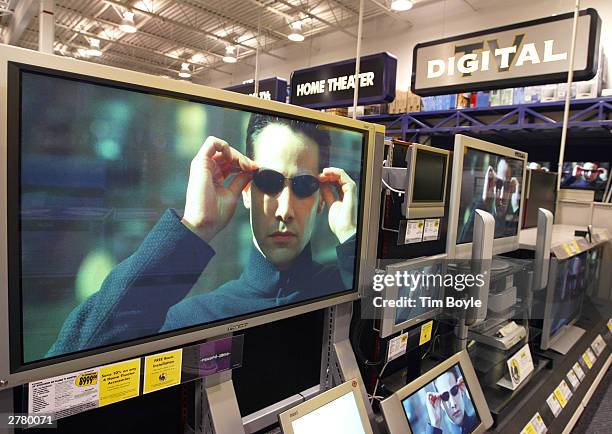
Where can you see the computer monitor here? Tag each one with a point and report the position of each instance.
(423, 283)
(489, 177)
(541, 192)
(448, 397)
(340, 410)
(426, 181)
(567, 285)
(143, 213)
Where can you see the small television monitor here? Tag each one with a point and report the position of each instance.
(447, 398)
(541, 192)
(489, 177)
(586, 175)
(426, 181)
(340, 410)
(421, 282)
(567, 285)
(143, 213)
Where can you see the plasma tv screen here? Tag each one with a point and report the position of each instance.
(442, 406)
(142, 213)
(586, 175)
(492, 183)
(571, 282)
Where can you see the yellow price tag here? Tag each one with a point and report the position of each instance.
(610, 325)
(162, 370)
(119, 381)
(426, 332)
(560, 397)
(529, 429)
(587, 360)
(575, 246)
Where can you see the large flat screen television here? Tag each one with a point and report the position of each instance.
(143, 213)
(446, 399)
(489, 177)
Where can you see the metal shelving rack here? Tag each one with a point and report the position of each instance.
(592, 114)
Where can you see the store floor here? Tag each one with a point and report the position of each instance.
(597, 416)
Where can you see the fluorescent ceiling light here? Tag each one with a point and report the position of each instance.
(184, 72)
(127, 23)
(94, 48)
(230, 54)
(296, 34)
(401, 5)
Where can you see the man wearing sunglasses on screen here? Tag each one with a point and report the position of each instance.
(449, 395)
(285, 181)
(501, 196)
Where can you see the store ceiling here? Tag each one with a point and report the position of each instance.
(170, 32)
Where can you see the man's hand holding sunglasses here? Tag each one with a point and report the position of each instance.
(209, 204)
(342, 205)
(435, 400)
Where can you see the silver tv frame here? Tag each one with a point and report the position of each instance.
(21, 374)
(393, 410)
(500, 245)
(419, 209)
(548, 340)
(353, 386)
(388, 326)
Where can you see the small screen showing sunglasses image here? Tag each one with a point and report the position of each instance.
(443, 405)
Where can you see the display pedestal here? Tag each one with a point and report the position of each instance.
(216, 398)
(567, 339)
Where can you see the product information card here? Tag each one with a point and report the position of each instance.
(573, 379)
(397, 347)
(554, 404)
(519, 367)
(578, 370)
(598, 345)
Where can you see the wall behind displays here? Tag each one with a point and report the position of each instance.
(400, 33)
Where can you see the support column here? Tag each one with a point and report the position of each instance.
(46, 31)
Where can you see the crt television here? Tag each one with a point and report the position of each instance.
(422, 283)
(141, 213)
(340, 410)
(448, 397)
(489, 177)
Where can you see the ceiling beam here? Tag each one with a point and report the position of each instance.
(151, 35)
(25, 10)
(190, 28)
(137, 47)
(219, 14)
(316, 17)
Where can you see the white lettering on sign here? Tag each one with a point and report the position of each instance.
(473, 62)
(264, 94)
(335, 84)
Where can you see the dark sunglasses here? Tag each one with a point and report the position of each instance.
(272, 183)
(453, 391)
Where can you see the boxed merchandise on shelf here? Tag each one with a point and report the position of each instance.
(338, 111)
(532, 94)
(549, 93)
(518, 95)
(360, 111)
(404, 102)
(501, 97)
(463, 100)
(482, 99)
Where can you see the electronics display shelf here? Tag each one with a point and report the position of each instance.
(584, 113)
